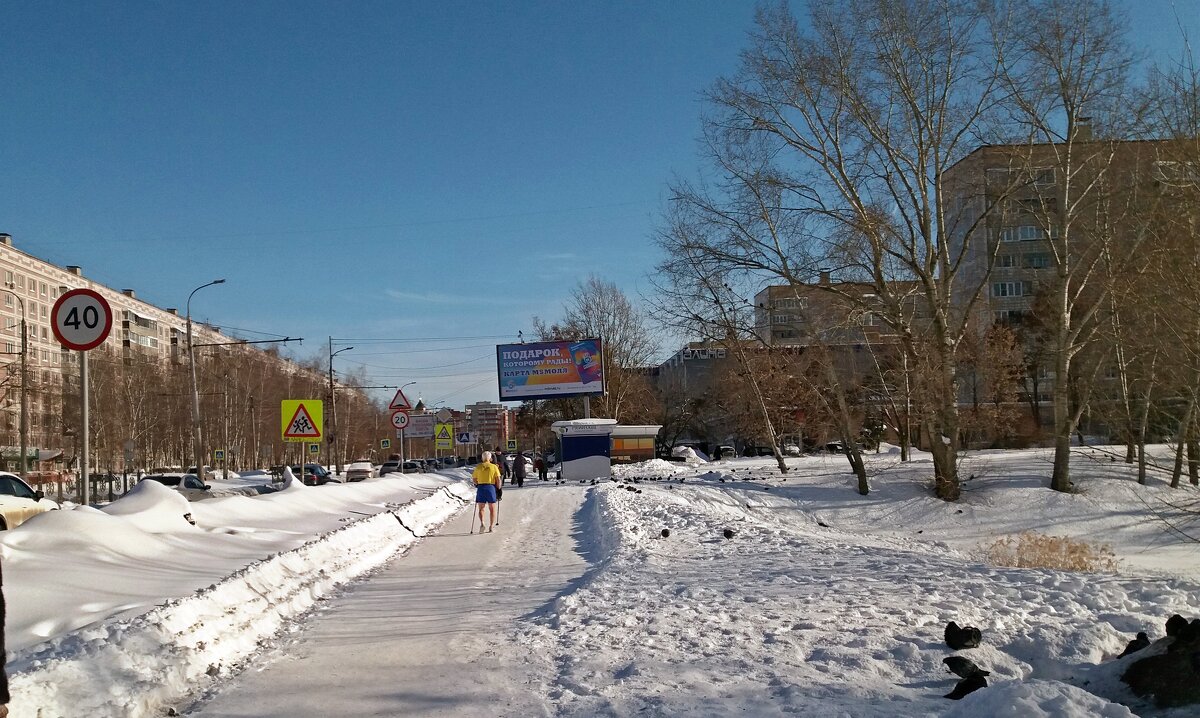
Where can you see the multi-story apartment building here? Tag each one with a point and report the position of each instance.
(491, 423)
(831, 312)
(141, 333)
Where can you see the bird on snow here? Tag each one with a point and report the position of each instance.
(728, 533)
(1175, 625)
(970, 684)
(1190, 632)
(1136, 644)
(666, 533)
(963, 667)
(960, 638)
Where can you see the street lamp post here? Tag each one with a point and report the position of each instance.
(333, 408)
(24, 431)
(197, 443)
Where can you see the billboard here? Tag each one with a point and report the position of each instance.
(550, 370)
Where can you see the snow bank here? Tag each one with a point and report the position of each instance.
(139, 666)
(1035, 699)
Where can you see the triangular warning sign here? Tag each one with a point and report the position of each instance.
(400, 402)
(443, 431)
(302, 426)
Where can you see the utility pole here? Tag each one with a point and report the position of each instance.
(333, 408)
(24, 429)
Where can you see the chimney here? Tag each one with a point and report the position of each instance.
(173, 310)
(129, 293)
(824, 277)
(6, 239)
(75, 269)
(1083, 129)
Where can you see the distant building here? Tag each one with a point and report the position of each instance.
(490, 423)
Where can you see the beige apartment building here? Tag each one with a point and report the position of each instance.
(30, 287)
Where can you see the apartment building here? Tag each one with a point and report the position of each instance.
(832, 312)
(490, 423)
(140, 332)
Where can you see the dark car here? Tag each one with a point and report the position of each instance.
(315, 475)
(389, 467)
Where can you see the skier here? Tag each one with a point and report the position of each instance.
(519, 469)
(487, 484)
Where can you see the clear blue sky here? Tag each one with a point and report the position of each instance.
(366, 170)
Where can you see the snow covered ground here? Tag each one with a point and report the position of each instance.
(822, 602)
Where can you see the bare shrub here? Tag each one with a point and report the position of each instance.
(1033, 550)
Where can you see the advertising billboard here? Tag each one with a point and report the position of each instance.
(550, 370)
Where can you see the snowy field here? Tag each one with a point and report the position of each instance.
(822, 603)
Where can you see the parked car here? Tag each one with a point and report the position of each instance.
(726, 452)
(209, 471)
(414, 467)
(19, 502)
(315, 475)
(360, 470)
(791, 449)
(190, 485)
(389, 467)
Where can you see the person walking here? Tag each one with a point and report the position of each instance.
(486, 479)
(539, 464)
(519, 469)
(498, 459)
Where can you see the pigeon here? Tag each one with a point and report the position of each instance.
(728, 533)
(1190, 632)
(1175, 625)
(963, 667)
(960, 638)
(970, 684)
(1136, 644)
(666, 533)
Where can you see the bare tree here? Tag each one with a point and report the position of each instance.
(598, 308)
(832, 145)
(1065, 66)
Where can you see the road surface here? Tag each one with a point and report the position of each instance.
(425, 634)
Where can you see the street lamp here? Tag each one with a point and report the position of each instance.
(333, 408)
(197, 444)
(24, 384)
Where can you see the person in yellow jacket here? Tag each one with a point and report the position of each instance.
(486, 478)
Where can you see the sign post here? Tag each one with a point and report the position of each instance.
(302, 421)
(82, 320)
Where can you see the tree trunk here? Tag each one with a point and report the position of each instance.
(1180, 440)
(1141, 439)
(1060, 480)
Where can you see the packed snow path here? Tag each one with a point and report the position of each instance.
(422, 636)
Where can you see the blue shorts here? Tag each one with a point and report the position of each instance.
(485, 494)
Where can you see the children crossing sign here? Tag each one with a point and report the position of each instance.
(443, 436)
(301, 419)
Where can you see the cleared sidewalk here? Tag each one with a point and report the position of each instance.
(423, 635)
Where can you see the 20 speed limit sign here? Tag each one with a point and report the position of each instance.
(82, 319)
(400, 419)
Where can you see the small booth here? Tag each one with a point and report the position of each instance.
(583, 448)
(631, 444)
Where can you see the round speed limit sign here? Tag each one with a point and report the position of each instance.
(82, 319)
(399, 419)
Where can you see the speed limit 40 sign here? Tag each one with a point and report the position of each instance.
(82, 319)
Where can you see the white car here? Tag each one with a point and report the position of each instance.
(190, 485)
(19, 502)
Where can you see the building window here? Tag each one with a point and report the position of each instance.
(43, 289)
(1006, 260)
(8, 300)
(45, 313)
(10, 348)
(1040, 260)
(8, 276)
(1043, 177)
(1009, 289)
(1030, 232)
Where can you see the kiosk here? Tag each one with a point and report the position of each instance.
(583, 448)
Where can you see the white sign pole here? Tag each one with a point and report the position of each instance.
(402, 451)
(83, 399)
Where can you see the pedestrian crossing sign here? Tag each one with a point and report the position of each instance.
(512, 444)
(301, 419)
(385, 443)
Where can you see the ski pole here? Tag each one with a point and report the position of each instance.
(474, 510)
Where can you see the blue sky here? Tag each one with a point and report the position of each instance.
(368, 170)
